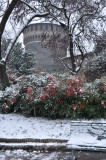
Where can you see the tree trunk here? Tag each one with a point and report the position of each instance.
(0, 49)
(3, 76)
(72, 54)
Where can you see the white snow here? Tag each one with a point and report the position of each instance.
(33, 155)
(77, 69)
(17, 126)
(1, 94)
(45, 145)
(86, 140)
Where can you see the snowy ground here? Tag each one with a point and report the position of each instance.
(59, 155)
(34, 155)
(18, 126)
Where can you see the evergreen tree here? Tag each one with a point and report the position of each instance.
(19, 62)
(15, 58)
(27, 66)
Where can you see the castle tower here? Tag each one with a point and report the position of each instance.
(46, 59)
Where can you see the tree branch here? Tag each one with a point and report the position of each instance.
(33, 9)
(80, 20)
(6, 16)
(67, 68)
(18, 34)
(4, 19)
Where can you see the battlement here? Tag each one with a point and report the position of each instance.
(34, 31)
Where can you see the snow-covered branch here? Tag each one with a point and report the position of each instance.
(33, 9)
(19, 32)
(66, 66)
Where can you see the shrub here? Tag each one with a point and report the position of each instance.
(55, 96)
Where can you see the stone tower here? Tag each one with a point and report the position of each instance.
(46, 59)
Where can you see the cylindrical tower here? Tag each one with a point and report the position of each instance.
(44, 56)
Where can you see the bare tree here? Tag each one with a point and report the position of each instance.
(15, 14)
(5, 16)
(82, 21)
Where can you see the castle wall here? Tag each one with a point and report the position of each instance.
(44, 58)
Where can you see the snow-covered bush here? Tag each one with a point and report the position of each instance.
(29, 91)
(71, 98)
(8, 98)
(55, 96)
(59, 97)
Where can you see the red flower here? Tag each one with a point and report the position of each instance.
(61, 101)
(53, 93)
(6, 108)
(102, 103)
(8, 101)
(73, 89)
(78, 102)
(50, 77)
(74, 107)
(87, 102)
(81, 106)
(75, 95)
(30, 90)
(43, 97)
(69, 94)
